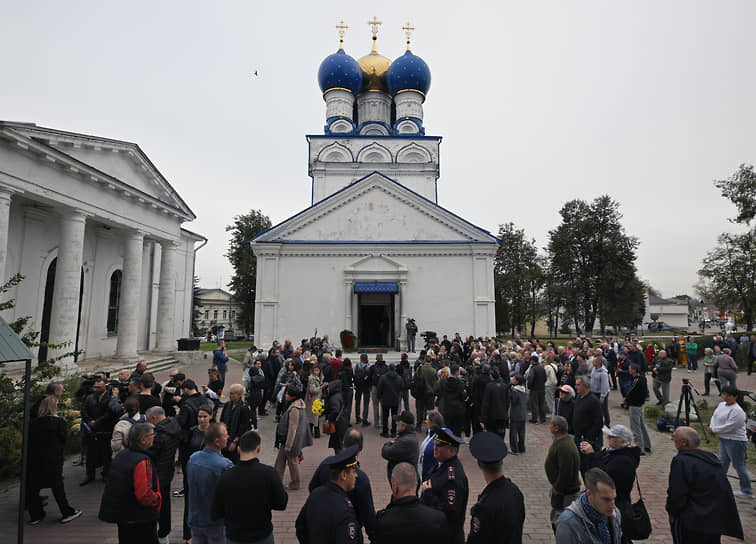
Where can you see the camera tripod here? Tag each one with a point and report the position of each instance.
(686, 395)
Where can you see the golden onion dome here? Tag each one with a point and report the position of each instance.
(375, 69)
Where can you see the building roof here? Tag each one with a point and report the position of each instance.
(653, 299)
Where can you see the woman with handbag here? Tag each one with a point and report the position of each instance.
(334, 417)
(314, 392)
(619, 460)
(292, 435)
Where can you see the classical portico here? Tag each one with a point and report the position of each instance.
(96, 231)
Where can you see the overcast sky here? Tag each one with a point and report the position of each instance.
(538, 102)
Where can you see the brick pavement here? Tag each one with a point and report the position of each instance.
(525, 470)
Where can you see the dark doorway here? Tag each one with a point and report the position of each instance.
(376, 319)
(44, 333)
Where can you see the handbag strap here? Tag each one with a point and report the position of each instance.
(637, 485)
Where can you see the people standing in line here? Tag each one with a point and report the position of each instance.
(98, 416)
(235, 416)
(446, 488)
(334, 413)
(426, 461)
(593, 516)
(728, 422)
(499, 514)
(245, 495)
(362, 494)
(535, 377)
(518, 413)
(587, 416)
(700, 502)
(494, 411)
(424, 398)
(376, 372)
(404, 449)
(620, 461)
(163, 453)
(634, 400)
(314, 392)
(405, 518)
(203, 470)
(47, 441)
(362, 390)
(132, 496)
(411, 328)
(122, 427)
(600, 386)
(562, 468)
(328, 516)
(220, 360)
(662, 372)
(292, 435)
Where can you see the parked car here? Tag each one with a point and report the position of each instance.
(658, 326)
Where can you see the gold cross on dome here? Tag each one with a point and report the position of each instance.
(342, 27)
(374, 23)
(408, 28)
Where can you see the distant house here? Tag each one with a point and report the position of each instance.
(671, 311)
(217, 308)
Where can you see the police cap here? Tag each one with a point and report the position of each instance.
(346, 458)
(488, 447)
(445, 437)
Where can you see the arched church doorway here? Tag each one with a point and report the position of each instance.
(44, 333)
(375, 317)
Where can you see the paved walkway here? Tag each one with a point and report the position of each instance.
(525, 470)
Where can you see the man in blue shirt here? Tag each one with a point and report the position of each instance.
(202, 472)
(220, 358)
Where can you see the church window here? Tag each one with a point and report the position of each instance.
(233, 314)
(225, 313)
(215, 314)
(114, 301)
(207, 314)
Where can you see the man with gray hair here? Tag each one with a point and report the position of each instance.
(700, 502)
(562, 468)
(406, 519)
(163, 452)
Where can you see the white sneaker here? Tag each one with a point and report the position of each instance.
(742, 494)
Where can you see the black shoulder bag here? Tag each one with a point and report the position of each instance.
(636, 525)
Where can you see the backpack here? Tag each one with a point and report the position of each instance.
(361, 375)
(417, 386)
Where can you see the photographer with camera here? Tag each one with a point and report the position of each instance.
(411, 327)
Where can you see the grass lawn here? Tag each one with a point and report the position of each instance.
(231, 344)
(706, 410)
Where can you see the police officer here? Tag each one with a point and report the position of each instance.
(446, 489)
(499, 514)
(328, 516)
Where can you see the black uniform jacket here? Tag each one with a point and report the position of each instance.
(328, 518)
(448, 493)
(499, 514)
(408, 521)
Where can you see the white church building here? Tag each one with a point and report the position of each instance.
(375, 247)
(96, 231)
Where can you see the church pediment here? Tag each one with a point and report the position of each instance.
(123, 162)
(376, 209)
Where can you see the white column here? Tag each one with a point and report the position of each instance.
(65, 308)
(128, 311)
(5, 201)
(348, 292)
(402, 317)
(167, 298)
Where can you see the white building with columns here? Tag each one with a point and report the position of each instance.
(96, 231)
(374, 247)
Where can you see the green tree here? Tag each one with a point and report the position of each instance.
(243, 282)
(587, 251)
(740, 189)
(513, 273)
(729, 274)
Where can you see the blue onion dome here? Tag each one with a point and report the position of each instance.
(340, 71)
(409, 72)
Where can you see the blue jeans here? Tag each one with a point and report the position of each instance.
(209, 535)
(735, 451)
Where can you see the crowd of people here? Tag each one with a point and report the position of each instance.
(138, 431)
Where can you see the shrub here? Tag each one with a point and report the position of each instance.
(348, 341)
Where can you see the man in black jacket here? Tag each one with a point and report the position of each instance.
(236, 416)
(245, 495)
(700, 503)
(451, 400)
(163, 453)
(406, 519)
(375, 372)
(587, 417)
(404, 449)
(634, 400)
(97, 413)
(536, 381)
(389, 391)
(495, 407)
